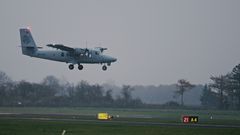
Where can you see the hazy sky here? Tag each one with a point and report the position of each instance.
(155, 41)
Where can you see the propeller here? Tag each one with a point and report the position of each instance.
(102, 49)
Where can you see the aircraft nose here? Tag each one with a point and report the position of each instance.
(114, 59)
(110, 59)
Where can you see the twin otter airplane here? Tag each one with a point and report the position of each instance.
(65, 54)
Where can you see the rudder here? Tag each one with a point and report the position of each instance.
(27, 43)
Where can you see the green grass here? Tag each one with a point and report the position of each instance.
(36, 127)
(156, 115)
(16, 125)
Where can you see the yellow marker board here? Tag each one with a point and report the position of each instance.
(104, 116)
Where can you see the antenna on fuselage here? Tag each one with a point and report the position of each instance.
(86, 44)
(87, 53)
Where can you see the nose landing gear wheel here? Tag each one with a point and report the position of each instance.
(104, 68)
(71, 66)
(80, 67)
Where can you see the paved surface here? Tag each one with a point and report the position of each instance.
(76, 118)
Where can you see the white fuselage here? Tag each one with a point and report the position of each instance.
(63, 53)
(63, 56)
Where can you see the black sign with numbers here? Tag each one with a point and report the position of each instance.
(190, 119)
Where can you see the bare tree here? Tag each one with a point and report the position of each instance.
(4, 78)
(182, 86)
(53, 83)
(236, 82)
(219, 84)
(127, 92)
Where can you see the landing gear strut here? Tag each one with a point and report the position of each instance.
(80, 67)
(71, 66)
(104, 67)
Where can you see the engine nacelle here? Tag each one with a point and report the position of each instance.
(78, 51)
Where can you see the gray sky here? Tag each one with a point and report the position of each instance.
(156, 42)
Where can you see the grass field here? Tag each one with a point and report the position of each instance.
(160, 115)
(35, 127)
(18, 126)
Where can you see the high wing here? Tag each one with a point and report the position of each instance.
(61, 47)
(72, 51)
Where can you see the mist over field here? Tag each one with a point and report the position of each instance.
(161, 94)
(155, 41)
(175, 53)
(119, 67)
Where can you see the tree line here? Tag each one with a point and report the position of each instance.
(50, 92)
(223, 92)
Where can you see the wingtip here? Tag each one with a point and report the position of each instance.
(49, 45)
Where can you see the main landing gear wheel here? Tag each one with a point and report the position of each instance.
(104, 67)
(71, 66)
(80, 67)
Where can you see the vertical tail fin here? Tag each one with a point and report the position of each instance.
(27, 43)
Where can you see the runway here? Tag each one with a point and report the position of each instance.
(116, 121)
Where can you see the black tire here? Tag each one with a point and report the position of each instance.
(80, 67)
(104, 68)
(71, 66)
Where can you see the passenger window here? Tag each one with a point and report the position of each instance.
(62, 54)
